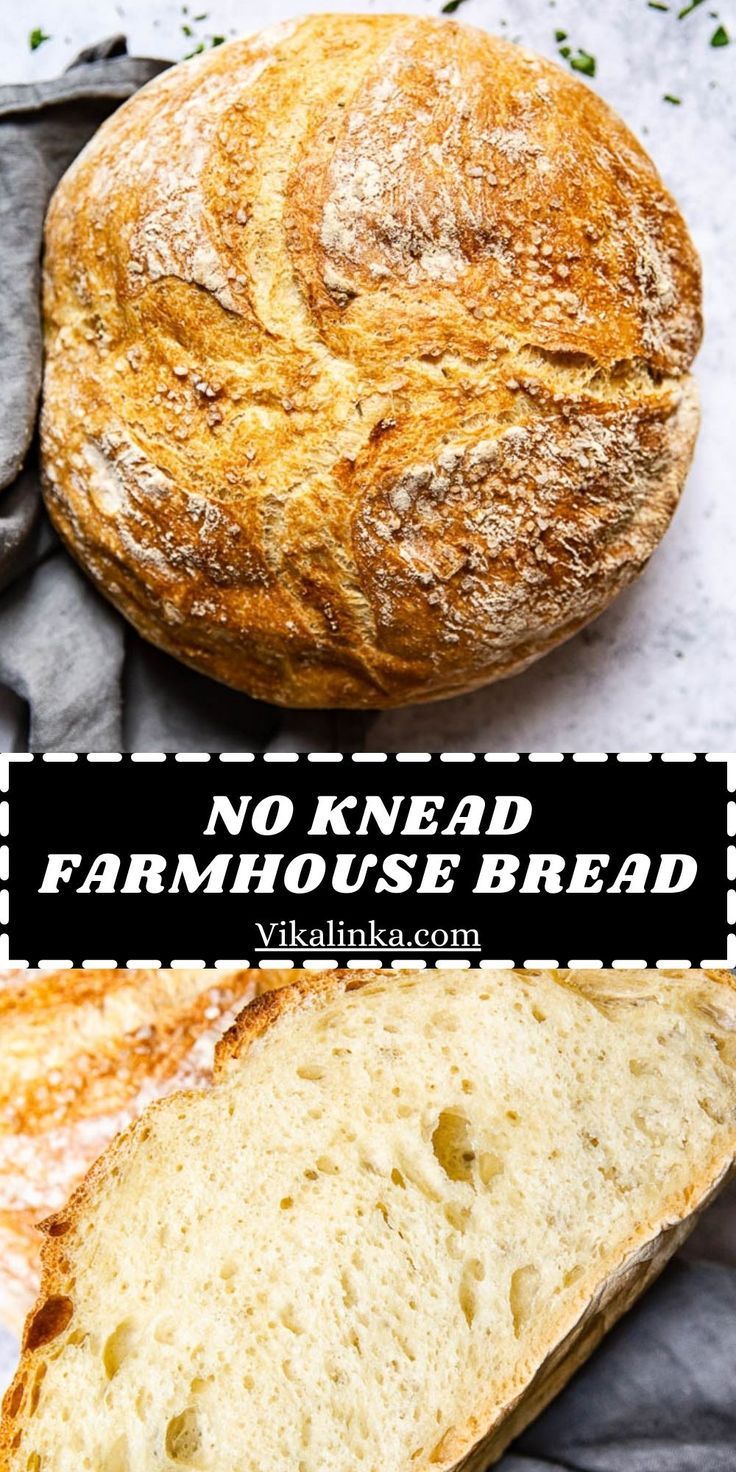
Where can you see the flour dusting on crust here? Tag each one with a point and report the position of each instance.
(367, 353)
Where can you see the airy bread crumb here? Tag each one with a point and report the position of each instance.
(405, 1211)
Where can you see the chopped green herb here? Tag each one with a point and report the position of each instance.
(720, 37)
(657, 5)
(560, 35)
(196, 52)
(566, 51)
(451, 7)
(187, 30)
(686, 9)
(584, 63)
(217, 41)
(37, 38)
(676, 101)
(203, 16)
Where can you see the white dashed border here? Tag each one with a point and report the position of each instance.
(368, 963)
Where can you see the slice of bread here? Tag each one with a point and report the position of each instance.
(81, 1055)
(406, 1210)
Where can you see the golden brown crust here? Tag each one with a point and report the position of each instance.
(312, 988)
(81, 1055)
(609, 1287)
(367, 353)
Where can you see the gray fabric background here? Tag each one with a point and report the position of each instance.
(88, 682)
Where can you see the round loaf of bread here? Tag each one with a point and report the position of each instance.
(367, 342)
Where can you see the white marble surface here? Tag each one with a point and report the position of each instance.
(657, 670)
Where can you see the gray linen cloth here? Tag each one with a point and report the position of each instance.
(88, 682)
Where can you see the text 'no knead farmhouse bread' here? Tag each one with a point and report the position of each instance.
(367, 359)
(406, 1210)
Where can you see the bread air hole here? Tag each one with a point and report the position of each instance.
(726, 1048)
(290, 1320)
(118, 1346)
(563, 359)
(15, 1400)
(647, 1127)
(711, 1111)
(452, 1145)
(522, 1293)
(348, 1292)
(467, 1302)
(473, 1273)
(457, 1216)
(446, 1447)
(184, 1440)
(490, 1165)
(117, 1459)
(640, 1068)
(50, 1320)
(35, 1395)
(414, 1179)
(58, 1227)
